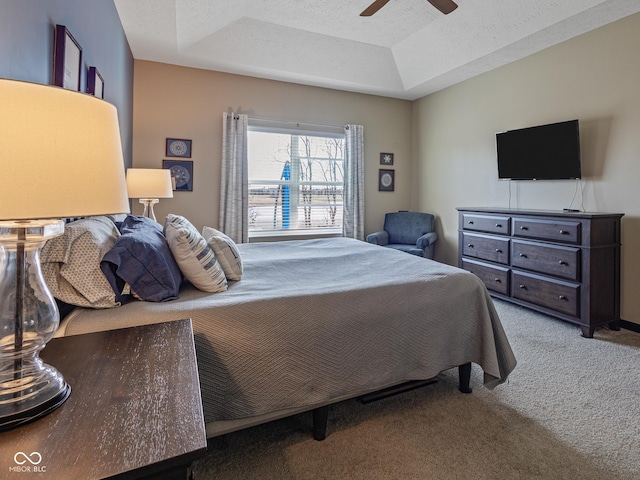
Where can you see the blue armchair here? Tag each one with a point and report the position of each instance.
(410, 232)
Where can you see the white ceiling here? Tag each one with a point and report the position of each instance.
(407, 50)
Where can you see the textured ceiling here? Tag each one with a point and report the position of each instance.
(407, 50)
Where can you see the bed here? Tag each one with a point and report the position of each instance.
(314, 322)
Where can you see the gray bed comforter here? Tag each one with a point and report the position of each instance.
(317, 320)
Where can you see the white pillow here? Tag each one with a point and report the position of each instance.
(226, 252)
(196, 259)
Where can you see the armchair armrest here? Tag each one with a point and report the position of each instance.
(378, 238)
(427, 239)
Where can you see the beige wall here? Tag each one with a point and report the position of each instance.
(595, 78)
(178, 102)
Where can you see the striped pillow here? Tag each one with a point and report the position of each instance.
(195, 258)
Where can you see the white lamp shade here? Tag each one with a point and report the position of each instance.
(149, 183)
(61, 154)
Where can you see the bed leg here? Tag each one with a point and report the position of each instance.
(464, 374)
(320, 417)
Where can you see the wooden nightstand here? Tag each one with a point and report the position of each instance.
(135, 409)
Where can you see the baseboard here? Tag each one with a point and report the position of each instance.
(634, 327)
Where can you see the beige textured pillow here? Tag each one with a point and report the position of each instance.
(196, 259)
(226, 252)
(71, 263)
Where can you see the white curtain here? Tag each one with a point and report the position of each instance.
(234, 188)
(353, 216)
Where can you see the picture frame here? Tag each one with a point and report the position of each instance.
(386, 158)
(67, 60)
(95, 83)
(178, 147)
(386, 180)
(181, 174)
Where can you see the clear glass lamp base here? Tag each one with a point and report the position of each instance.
(148, 207)
(29, 388)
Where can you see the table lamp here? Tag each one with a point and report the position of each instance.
(149, 184)
(61, 158)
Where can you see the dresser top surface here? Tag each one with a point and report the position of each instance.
(540, 213)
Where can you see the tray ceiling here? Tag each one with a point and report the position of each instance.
(406, 50)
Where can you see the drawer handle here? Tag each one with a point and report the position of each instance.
(522, 227)
(497, 280)
(522, 255)
(562, 297)
(498, 250)
(470, 222)
(470, 245)
(522, 286)
(563, 232)
(498, 225)
(562, 262)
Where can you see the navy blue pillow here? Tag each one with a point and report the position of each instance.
(141, 257)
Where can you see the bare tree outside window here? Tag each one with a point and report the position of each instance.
(299, 179)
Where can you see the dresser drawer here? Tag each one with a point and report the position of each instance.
(494, 249)
(552, 230)
(556, 260)
(487, 223)
(557, 295)
(494, 277)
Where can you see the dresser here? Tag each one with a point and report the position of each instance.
(564, 264)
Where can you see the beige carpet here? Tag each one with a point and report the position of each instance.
(570, 410)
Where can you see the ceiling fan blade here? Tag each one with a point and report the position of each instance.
(445, 6)
(373, 8)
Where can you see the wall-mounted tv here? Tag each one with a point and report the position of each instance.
(544, 152)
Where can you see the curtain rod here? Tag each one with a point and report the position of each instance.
(295, 123)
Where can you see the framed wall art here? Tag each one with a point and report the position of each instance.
(386, 180)
(386, 158)
(67, 60)
(95, 83)
(178, 147)
(181, 174)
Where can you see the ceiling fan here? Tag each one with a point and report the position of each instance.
(445, 6)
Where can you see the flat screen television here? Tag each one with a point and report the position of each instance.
(544, 152)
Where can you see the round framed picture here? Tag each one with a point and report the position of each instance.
(386, 180)
(178, 147)
(181, 174)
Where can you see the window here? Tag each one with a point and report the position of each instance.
(296, 181)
